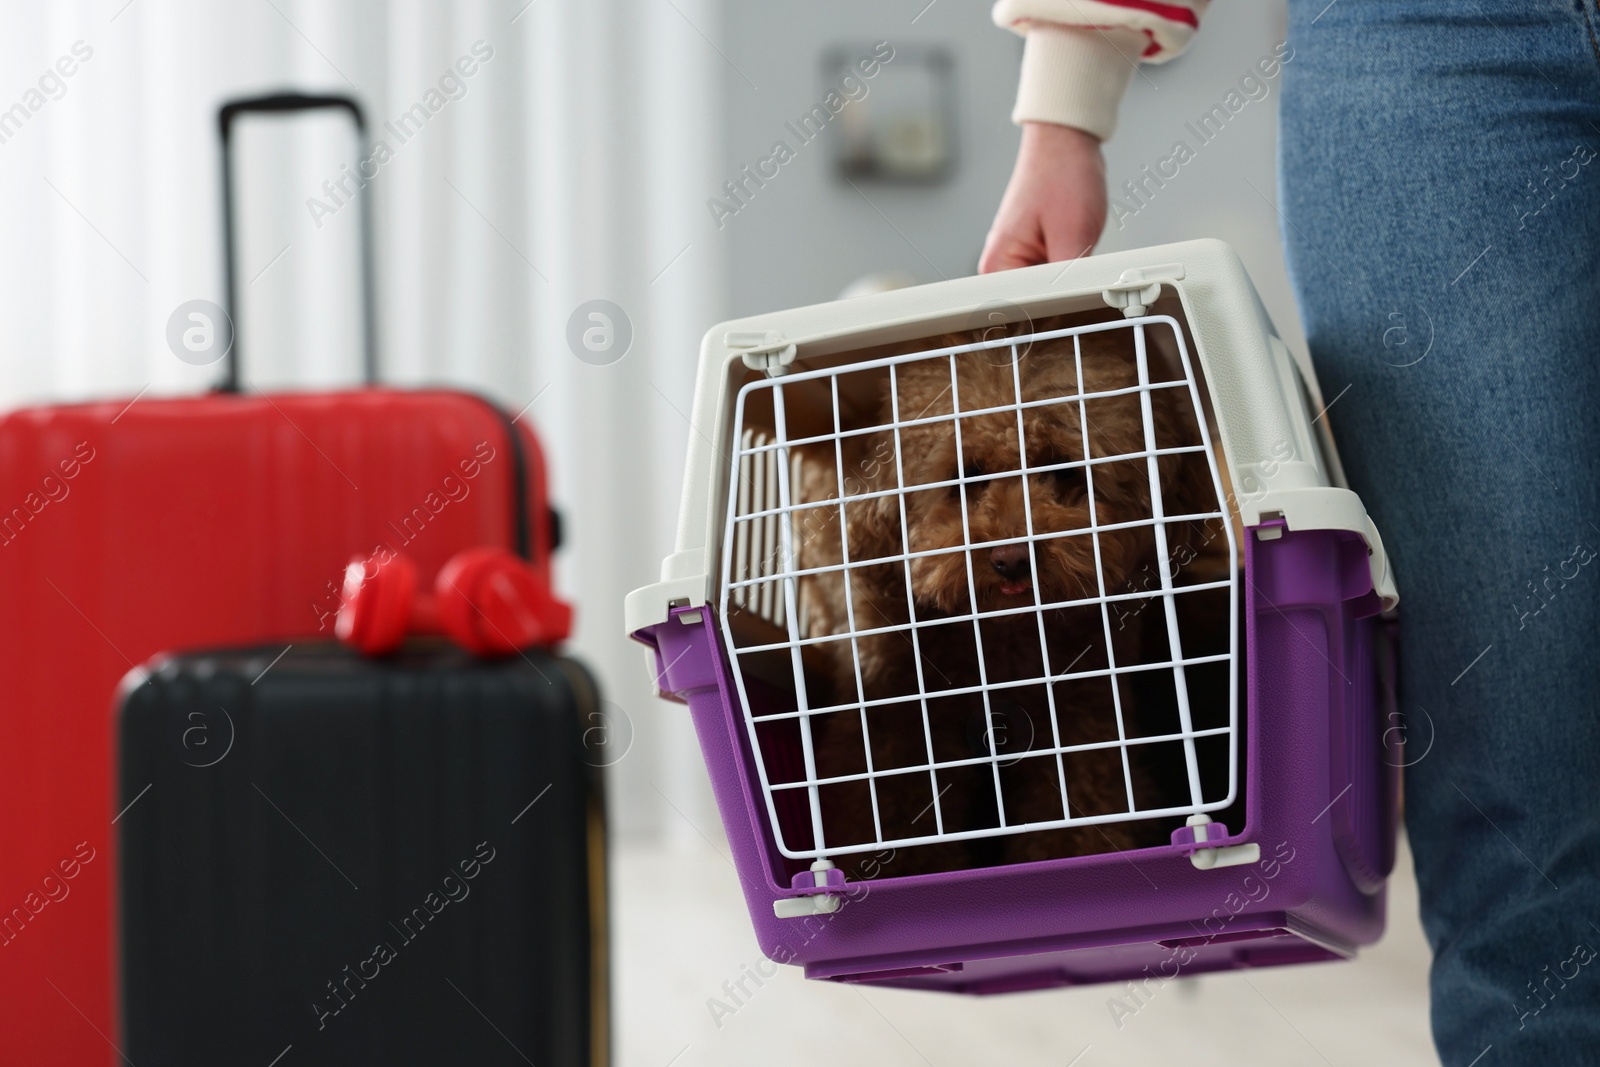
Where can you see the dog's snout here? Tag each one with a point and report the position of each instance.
(1010, 561)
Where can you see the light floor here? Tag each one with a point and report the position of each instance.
(680, 930)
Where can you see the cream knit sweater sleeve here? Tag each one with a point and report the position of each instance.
(1080, 54)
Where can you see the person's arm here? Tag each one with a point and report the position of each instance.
(1076, 63)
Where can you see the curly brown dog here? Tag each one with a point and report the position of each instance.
(939, 585)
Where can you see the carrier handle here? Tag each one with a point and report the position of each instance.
(284, 103)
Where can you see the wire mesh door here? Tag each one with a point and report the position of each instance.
(915, 547)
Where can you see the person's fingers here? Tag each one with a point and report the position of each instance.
(1070, 243)
(1062, 241)
(1072, 231)
(1007, 247)
(1004, 255)
(995, 260)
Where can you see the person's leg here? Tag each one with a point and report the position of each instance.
(1440, 175)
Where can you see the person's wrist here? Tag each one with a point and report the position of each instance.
(1038, 136)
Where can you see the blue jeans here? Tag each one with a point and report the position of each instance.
(1440, 194)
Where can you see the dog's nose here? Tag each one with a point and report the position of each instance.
(1010, 561)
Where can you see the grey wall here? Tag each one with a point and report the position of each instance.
(808, 234)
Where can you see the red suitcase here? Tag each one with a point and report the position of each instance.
(129, 528)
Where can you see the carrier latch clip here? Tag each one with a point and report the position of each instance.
(1138, 288)
(763, 350)
(820, 887)
(1193, 836)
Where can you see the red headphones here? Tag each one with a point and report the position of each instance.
(487, 600)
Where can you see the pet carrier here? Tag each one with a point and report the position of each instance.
(1029, 632)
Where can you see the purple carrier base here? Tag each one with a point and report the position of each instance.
(1321, 801)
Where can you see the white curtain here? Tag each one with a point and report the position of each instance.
(569, 166)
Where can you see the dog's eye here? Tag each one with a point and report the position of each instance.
(972, 470)
(1069, 481)
(1053, 461)
(1071, 484)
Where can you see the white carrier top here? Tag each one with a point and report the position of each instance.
(1280, 458)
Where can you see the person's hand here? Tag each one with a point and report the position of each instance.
(1055, 203)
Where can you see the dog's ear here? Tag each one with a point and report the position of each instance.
(1186, 485)
(875, 523)
(882, 528)
(1174, 426)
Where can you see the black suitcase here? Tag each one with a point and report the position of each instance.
(336, 860)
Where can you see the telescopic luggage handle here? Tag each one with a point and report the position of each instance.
(279, 103)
